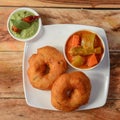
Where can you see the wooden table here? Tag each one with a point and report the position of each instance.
(12, 100)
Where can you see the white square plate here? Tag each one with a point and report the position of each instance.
(56, 35)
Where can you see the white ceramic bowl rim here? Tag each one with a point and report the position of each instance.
(64, 52)
(27, 9)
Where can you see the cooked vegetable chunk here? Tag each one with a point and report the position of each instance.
(87, 40)
(81, 51)
(78, 61)
(75, 40)
(92, 60)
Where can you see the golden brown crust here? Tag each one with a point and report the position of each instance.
(70, 91)
(45, 67)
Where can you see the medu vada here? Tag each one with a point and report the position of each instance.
(70, 91)
(45, 67)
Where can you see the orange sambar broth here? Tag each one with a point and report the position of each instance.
(68, 47)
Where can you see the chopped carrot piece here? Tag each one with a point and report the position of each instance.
(75, 40)
(92, 60)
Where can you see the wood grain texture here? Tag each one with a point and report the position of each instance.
(64, 3)
(18, 109)
(106, 19)
(11, 74)
(11, 85)
(114, 71)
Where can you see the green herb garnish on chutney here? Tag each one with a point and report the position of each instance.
(23, 24)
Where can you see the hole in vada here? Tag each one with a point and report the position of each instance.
(46, 70)
(69, 92)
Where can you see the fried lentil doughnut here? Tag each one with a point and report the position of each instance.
(45, 67)
(70, 91)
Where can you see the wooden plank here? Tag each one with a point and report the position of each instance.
(18, 109)
(64, 3)
(11, 74)
(107, 19)
(11, 85)
(114, 71)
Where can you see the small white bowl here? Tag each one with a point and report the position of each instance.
(29, 10)
(64, 52)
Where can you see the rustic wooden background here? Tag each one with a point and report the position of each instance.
(12, 101)
(64, 3)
